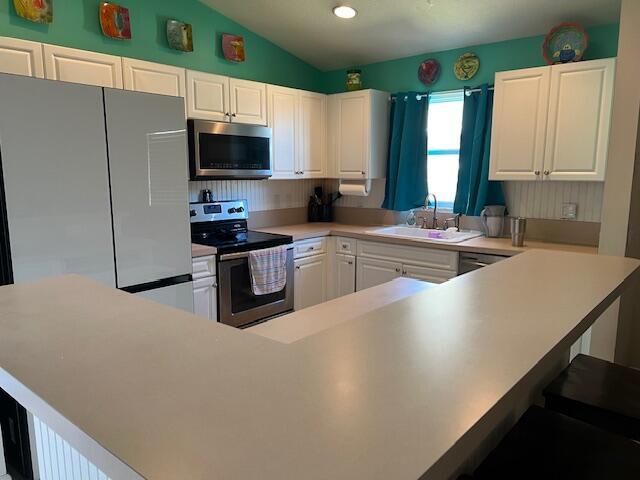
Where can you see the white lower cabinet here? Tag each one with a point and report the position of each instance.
(205, 288)
(310, 281)
(344, 275)
(430, 275)
(372, 272)
(205, 298)
(378, 263)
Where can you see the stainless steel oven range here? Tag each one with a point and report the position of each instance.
(223, 225)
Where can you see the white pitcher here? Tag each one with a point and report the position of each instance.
(492, 218)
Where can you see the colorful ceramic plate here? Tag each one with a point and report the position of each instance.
(233, 47)
(565, 43)
(39, 11)
(429, 71)
(179, 36)
(114, 21)
(466, 66)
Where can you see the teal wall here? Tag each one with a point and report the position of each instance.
(76, 24)
(402, 74)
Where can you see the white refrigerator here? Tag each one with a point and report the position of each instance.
(94, 181)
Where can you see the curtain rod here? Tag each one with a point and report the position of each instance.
(421, 95)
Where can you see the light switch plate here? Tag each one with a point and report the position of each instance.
(569, 211)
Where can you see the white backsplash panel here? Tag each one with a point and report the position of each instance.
(526, 199)
(545, 199)
(261, 194)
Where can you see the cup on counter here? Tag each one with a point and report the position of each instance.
(518, 229)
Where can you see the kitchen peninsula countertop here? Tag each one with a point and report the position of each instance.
(404, 391)
(494, 246)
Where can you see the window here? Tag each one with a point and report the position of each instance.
(444, 125)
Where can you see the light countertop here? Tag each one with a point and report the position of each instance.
(396, 392)
(303, 323)
(495, 246)
(198, 250)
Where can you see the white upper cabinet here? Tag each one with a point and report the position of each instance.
(21, 57)
(225, 99)
(207, 96)
(283, 120)
(141, 76)
(358, 134)
(552, 123)
(248, 101)
(81, 66)
(312, 135)
(519, 123)
(580, 104)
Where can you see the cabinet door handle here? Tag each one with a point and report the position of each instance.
(297, 267)
(547, 172)
(233, 114)
(397, 270)
(350, 262)
(404, 272)
(311, 248)
(345, 246)
(363, 173)
(536, 172)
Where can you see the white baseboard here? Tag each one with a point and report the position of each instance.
(5, 477)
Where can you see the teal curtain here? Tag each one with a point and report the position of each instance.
(475, 191)
(406, 186)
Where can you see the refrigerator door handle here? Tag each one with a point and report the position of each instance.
(165, 282)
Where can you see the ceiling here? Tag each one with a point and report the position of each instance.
(388, 29)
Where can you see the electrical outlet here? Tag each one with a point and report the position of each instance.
(569, 211)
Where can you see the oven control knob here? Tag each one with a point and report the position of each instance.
(240, 209)
(232, 210)
(192, 213)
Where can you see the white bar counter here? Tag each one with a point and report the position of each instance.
(408, 390)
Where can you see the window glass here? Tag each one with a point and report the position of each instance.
(443, 145)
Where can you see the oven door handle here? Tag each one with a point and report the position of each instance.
(235, 256)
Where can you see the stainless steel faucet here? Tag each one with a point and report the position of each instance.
(434, 221)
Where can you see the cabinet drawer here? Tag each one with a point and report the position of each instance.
(309, 247)
(204, 266)
(419, 256)
(347, 246)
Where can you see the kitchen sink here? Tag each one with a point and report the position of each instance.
(426, 234)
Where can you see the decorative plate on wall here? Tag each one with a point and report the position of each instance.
(429, 71)
(233, 47)
(114, 21)
(466, 66)
(565, 43)
(38, 11)
(179, 36)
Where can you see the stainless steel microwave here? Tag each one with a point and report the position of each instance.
(219, 150)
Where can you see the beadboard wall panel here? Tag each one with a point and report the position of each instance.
(541, 200)
(57, 460)
(261, 194)
(545, 199)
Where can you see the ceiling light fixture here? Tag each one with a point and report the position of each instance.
(343, 11)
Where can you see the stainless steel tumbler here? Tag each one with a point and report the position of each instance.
(518, 228)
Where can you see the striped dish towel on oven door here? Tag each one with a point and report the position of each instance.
(268, 270)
